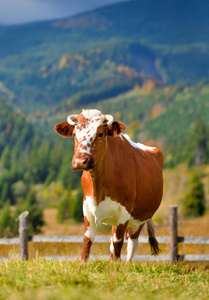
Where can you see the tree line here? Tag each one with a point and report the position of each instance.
(28, 159)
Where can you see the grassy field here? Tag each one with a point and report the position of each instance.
(52, 280)
(101, 280)
(41, 279)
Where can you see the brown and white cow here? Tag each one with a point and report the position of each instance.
(122, 181)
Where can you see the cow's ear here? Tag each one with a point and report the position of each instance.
(64, 129)
(115, 128)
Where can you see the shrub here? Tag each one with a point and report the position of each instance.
(63, 209)
(70, 207)
(198, 146)
(5, 221)
(36, 220)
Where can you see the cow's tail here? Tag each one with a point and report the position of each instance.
(152, 239)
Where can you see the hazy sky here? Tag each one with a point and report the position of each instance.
(21, 11)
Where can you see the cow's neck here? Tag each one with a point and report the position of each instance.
(103, 174)
(98, 183)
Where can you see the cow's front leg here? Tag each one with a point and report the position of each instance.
(89, 234)
(117, 240)
(112, 250)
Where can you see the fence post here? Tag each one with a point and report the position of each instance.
(23, 235)
(173, 221)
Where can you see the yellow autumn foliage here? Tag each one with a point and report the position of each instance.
(118, 114)
(148, 86)
(63, 61)
(157, 110)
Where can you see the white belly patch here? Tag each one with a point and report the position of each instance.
(108, 212)
(111, 212)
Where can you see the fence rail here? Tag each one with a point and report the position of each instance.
(173, 240)
(101, 239)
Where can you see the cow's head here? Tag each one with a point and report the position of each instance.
(90, 130)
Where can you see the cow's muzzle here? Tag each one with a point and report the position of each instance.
(81, 163)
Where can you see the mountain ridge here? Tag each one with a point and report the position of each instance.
(45, 63)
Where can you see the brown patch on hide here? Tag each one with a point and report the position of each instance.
(116, 128)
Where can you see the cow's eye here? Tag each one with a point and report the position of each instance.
(100, 134)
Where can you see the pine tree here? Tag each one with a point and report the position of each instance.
(198, 147)
(5, 221)
(6, 158)
(65, 171)
(63, 209)
(4, 193)
(43, 161)
(36, 220)
(194, 204)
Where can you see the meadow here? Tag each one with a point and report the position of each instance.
(41, 279)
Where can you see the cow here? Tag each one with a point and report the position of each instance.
(122, 181)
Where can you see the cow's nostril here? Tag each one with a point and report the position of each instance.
(85, 161)
(82, 163)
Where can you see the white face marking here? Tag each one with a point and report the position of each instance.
(86, 133)
(137, 145)
(89, 113)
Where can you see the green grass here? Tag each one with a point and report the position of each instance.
(40, 279)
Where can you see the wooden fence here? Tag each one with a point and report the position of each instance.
(173, 240)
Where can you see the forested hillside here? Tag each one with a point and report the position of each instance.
(162, 116)
(26, 158)
(34, 172)
(173, 118)
(146, 62)
(166, 117)
(103, 52)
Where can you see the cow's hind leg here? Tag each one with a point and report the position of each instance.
(117, 241)
(152, 239)
(133, 235)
